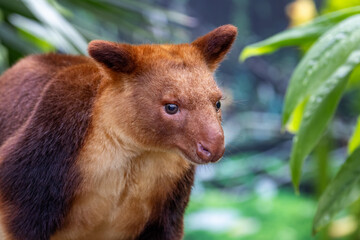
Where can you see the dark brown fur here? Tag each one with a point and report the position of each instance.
(168, 222)
(21, 87)
(37, 175)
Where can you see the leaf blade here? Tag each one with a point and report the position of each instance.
(317, 114)
(354, 141)
(336, 197)
(300, 35)
(293, 125)
(325, 56)
(42, 9)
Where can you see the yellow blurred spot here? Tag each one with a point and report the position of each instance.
(293, 125)
(354, 141)
(343, 227)
(300, 11)
(354, 79)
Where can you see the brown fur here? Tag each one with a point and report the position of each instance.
(31, 73)
(127, 166)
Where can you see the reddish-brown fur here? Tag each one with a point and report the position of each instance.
(87, 150)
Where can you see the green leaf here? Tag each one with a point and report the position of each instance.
(293, 125)
(140, 6)
(42, 36)
(318, 112)
(340, 193)
(9, 37)
(42, 10)
(123, 20)
(354, 141)
(291, 37)
(301, 35)
(320, 62)
(354, 79)
(3, 58)
(15, 7)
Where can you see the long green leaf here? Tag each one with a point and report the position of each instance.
(340, 193)
(15, 7)
(42, 10)
(318, 112)
(9, 37)
(354, 80)
(320, 62)
(3, 58)
(301, 35)
(150, 9)
(121, 19)
(293, 125)
(46, 34)
(354, 141)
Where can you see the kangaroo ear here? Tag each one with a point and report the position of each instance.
(216, 44)
(118, 57)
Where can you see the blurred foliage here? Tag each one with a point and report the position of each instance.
(322, 77)
(334, 5)
(314, 92)
(337, 197)
(302, 35)
(259, 217)
(34, 26)
(354, 141)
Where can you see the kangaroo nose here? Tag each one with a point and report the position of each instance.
(211, 151)
(203, 152)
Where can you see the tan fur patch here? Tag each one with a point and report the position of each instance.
(121, 183)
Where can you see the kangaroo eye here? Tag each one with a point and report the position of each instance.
(171, 108)
(218, 105)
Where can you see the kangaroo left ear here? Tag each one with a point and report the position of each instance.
(216, 44)
(115, 56)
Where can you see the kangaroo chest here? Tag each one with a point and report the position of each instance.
(118, 196)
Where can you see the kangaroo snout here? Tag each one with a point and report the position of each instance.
(211, 148)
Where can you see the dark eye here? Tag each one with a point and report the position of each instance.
(171, 108)
(218, 105)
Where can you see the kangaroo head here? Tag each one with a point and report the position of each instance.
(164, 97)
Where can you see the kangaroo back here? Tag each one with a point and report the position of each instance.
(21, 87)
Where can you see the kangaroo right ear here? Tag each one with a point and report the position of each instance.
(118, 57)
(216, 44)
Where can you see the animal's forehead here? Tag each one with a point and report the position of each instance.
(169, 54)
(185, 84)
(177, 70)
(181, 61)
